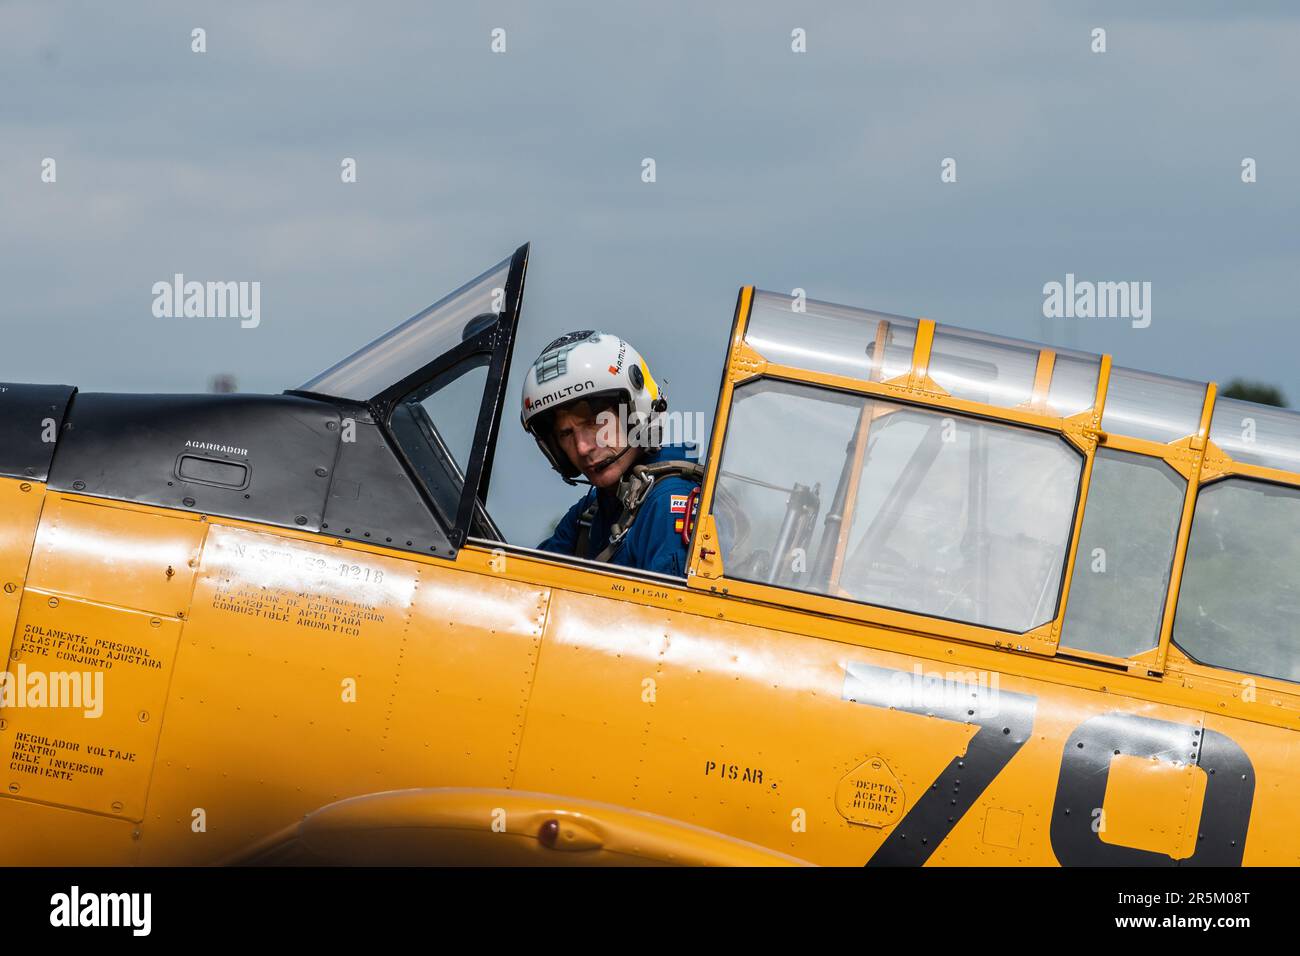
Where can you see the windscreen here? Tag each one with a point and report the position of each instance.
(417, 341)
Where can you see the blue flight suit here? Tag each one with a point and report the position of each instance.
(654, 542)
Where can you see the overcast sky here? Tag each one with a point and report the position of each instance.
(819, 170)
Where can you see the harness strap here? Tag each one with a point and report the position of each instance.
(633, 489)
(584, 527)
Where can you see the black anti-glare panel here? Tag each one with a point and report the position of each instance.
(31, 418)
(265, 458)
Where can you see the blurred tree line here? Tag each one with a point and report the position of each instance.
(1260, 393)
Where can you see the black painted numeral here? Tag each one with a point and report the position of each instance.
(1005, 721)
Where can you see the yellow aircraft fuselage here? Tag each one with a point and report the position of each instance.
(254, 675)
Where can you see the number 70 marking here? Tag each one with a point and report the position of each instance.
(1005, 720)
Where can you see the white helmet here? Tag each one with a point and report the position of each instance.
(584, 365)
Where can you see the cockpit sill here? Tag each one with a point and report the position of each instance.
(652, 587)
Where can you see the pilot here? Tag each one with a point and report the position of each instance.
(594, 409)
